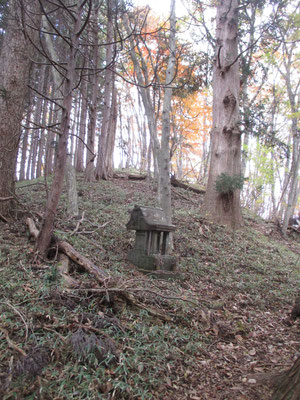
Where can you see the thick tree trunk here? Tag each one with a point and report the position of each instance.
(225, 135)
(15, 64)
(288, 384)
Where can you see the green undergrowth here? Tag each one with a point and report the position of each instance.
(157, 350)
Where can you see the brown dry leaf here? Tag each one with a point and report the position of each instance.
(239, 338)
(168, 381)
(252, 352)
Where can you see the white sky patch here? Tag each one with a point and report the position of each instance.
(162, 7)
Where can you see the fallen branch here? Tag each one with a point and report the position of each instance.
(136, 290)
(3, 218)
(11, 343)
(20, 315)
(176, 183)
(63, 270)
(133, 177)
(99, 273)
(182, 196)
(6, 198)
(64, 247)
(78, 224)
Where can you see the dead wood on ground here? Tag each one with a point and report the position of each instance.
(176, 183)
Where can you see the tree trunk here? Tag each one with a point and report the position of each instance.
(25, 143)
(225, 136)
(294, 173)
(49, 144)
(101, 171)
(72, 207)
(288, 384)
(112, 133)
(15, 64)
(43, 118)
(164, 194)
(46, 231)
(144, 91)
(93, 106)
(82, 127)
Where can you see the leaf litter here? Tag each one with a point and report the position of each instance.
(228, 317)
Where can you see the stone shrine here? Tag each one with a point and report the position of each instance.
(150, 250)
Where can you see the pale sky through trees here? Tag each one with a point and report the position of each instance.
(162, 7)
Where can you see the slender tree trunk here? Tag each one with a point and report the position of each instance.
(43, 118)
(82, 126)
(112, 133)
(74, 124)
(25, 144)
(72, 207)
(36, 122)
(129, 142)
(294, 173)
(49, 143)
(44, 238)
(101, 171)
(164, 194)
(144, 91)
(93, 106)
(225, 135)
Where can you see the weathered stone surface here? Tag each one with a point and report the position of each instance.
(148, 219)
(150, 252)
(152, 262)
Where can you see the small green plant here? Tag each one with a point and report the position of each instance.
(226, 184)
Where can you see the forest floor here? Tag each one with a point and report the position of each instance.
(208, 335)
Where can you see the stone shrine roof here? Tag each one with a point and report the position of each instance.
(148, 219)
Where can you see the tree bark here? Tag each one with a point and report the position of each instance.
(93, 106)
(15, 65)
(82, 126)
(112, 133)
(101, 170)
(71, 183)
(288, 384)
(225, 135)
(25, 143)
(164, 193)
(46, 231)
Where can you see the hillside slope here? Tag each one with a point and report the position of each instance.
(203, 336)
